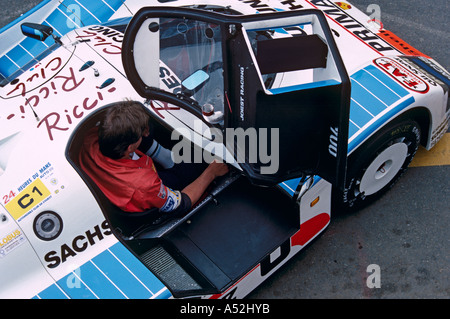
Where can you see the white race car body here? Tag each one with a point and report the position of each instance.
(54, 239)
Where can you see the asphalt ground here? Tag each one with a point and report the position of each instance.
(405, 233)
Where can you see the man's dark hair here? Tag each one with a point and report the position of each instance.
(124, 124)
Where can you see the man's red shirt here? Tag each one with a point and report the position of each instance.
(132, 185)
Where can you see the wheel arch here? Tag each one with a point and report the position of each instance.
(423, 117)
(420, 114)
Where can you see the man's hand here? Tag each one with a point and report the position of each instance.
(196, 189)
(217, 169)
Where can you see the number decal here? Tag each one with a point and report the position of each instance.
(26, 200)
(7, 198)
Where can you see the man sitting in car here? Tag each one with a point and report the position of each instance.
(116, 155)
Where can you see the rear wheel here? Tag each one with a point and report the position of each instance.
(379, 163)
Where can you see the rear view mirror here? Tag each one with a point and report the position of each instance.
(36, 31)
(193, 82)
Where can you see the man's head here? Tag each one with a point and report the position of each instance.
(123, 127)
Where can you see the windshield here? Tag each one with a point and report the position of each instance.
(191, 55)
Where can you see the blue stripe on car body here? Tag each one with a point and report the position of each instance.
(113, 274)
(61, 19)
(391, 98)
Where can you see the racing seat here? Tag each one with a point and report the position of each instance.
(123, 224)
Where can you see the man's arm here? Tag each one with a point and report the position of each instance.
(196, 189)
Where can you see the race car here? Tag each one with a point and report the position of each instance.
(311, 103)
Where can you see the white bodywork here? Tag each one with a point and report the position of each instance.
(42, 107)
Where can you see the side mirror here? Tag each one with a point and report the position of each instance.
(36, 31)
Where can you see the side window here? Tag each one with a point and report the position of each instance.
(289, 56)
(192, 51)
(177, 58)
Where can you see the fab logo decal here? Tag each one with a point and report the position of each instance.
(402, 75)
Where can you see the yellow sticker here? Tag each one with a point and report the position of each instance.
(29, 198)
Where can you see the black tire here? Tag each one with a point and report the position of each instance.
(375, 166)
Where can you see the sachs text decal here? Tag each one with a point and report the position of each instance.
(78, 244)
(169, 82)
(402, 75)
